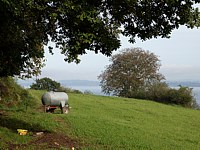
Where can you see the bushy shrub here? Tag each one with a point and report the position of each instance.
(158, 92)
(12, 94)
(77, 91)
(68, 90)
(161, 92)
(139, 93)
(182, 96)
(88, 92)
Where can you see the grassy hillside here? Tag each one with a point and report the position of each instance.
(100, 122)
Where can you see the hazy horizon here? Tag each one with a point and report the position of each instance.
(179, 56)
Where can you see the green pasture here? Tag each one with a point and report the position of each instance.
(101, 122)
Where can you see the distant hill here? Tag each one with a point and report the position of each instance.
(79, 83)
(183, 83)
(69, 83)
(66, 83)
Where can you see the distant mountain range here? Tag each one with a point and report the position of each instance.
(183, 83)
(69, 83)
(66, 83)
(78, 83)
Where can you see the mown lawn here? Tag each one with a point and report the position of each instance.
(100, 122)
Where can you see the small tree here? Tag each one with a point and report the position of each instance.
(45, 84)
(130, 71)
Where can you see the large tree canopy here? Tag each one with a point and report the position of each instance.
(79, 25)
(130, 71)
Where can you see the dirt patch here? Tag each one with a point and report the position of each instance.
(56, 140)
(49, 141)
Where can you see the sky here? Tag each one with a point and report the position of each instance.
(179, 56)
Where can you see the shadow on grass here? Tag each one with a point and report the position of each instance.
(14, 124)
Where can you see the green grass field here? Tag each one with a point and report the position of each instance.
(100, 122)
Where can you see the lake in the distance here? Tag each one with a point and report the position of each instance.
(196, 92)
(97, 90)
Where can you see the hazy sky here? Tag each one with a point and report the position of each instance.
(179, 55)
